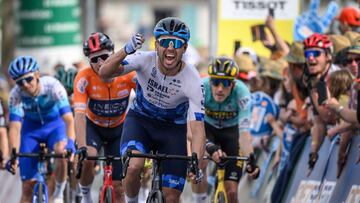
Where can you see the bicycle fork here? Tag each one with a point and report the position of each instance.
(220, 193)
(107, 183)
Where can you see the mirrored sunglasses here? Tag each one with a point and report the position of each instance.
(95, 59)
(225, 82)
(176, 43)
(20, 82)
(313, 53)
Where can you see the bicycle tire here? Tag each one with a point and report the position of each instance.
(108, 195)
(155, 197)
(40, 194)
(221, 198)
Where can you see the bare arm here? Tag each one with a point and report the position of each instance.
(112, 66)
(245, 140)
(14, 135)
(80, 128)
(317, 134)
(198, 137)
(69, 122)
(279, 42)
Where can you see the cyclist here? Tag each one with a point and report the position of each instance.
(4, 144)
(100, 107)
(66, 78)
(227, 120)
(168, 96)
(39, 112)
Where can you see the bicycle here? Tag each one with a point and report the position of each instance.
(107, 193)
(40, 193)
(220, 193)
(156, 194)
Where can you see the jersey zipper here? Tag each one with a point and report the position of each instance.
(39, 111)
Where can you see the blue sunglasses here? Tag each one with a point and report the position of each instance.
(313, 53)
(224, 82)
(176, 43)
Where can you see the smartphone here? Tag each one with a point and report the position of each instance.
(322, 92)
(258, 32)
(271, 12)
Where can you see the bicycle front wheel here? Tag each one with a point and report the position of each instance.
(108, 195)
(155, 197)
(221, 198)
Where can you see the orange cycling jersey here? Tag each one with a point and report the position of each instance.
(104, 103)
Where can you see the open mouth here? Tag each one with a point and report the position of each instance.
(169, 58)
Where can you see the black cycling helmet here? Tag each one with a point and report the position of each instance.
(172, 26)
(96, 42)
(223, 67)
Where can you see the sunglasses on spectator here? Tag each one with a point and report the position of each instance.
(28, 79)
(176, 43)
(224, 82)
(313, 53)
(95, 59)
(350, 60)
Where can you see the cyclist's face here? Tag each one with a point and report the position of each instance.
(97, 59)
(352, 63)
(316, 60)
(170, 51)
(29, 83)
(219, 91)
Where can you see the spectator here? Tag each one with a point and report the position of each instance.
(349, 19)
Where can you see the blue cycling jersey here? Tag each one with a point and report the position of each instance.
(50, 104)
(234, 110)
(262, 105)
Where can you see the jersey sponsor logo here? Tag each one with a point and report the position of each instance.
(244, 123)
(176, 83)
(244, 102)
(81, 85)
(153, 85)
(123, 93)
(199, 116)
(154, 72)
(221, 115)
(108, 108)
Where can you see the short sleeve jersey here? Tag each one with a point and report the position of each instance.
(234, 110)
(104, 103)
(176, 99)
(50, 104)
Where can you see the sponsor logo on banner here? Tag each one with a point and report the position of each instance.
(308, 191)
(354, 194)
(258, 9)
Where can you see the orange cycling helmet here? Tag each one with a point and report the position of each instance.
(96, 42)
(318, 41)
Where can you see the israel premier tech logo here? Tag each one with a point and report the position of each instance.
(153, 85)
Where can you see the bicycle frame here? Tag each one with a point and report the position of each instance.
(220, 189)
(40, 188)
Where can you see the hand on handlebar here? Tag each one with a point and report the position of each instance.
(195, 174)
(215, 152)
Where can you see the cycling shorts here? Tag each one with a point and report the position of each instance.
(228, 140)
(34, 133)
(109, 138)
(145, 135)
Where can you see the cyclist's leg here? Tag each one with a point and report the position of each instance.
(56, 141)
(93, 143)
(134, 137)
(112, 136)
(200, 189)
(28, 166)
(233, 170)
(171, 139)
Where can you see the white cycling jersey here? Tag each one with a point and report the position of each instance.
(171, 98)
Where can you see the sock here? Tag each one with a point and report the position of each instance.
(131, 199)
(59, 189)
(86, 193)
(199, 197)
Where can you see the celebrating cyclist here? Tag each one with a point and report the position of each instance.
(39, 112)
(227, 120)
(168, 96)
(100, 106)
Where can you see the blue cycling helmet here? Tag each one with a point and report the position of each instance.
(172, 26)
(21, 66)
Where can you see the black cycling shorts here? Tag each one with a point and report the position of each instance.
(109, 138)
(228, 140)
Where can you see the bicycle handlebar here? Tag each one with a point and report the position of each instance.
(193, 160)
